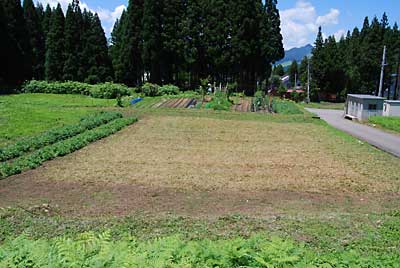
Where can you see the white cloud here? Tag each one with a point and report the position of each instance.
(107, 17)
(300, 23)
(331, 18)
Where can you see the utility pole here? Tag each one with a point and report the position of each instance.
(308, 81)
(382, 72)
(396, 84)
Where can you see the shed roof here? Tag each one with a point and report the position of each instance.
(362, 96)
(395, 102)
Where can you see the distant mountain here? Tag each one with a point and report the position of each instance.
(295, 54)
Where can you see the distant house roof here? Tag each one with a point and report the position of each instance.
(362, 96)
(285, 78)
(297, 91)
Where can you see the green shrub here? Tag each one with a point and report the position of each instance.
(62, 148)
(169, 90)
(151, 90)
(105, 91)
(285, 107)
(29, 144)
(219, 102)
(108, 90)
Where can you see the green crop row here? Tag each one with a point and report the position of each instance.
(103, 91)
(55, 135)
(62, 148)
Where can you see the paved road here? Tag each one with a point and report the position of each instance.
(376, 137)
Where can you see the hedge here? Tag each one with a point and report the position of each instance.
(104, 91)
(62, 148)
(55, 135)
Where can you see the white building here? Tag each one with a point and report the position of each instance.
(361, 107)
(391, 108)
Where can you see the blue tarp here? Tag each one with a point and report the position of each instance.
(133, 102)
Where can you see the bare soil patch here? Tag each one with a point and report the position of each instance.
(209, 167)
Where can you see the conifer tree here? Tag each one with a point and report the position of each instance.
(96, 53)
(152, 40)
(73, 42)
(131, 53)
(36, 39)
(172, 39)
(279, 70)
(116, 47)
(294, 73)
(20, 63)
(46, 20)
(54, 64)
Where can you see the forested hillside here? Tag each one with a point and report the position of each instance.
(353, 64)
(162, 42)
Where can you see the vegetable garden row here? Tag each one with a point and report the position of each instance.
(32, 152)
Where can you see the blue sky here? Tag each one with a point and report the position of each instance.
(300, 18)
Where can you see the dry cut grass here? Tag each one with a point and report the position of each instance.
(193, 159)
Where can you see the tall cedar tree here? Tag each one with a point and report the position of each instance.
(172, 39)
(129, 63)
(36, 39)
(5, 52)
(152, 40)
(294, 73)
(19, 59)
(73, 43)
(303, 71)
(54, 65)
(46, 20)
(116, 46)
(98, 63)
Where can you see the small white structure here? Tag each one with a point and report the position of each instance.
(391, 108)
(361, 107)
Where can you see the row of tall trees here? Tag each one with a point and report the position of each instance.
(184, 41)
(162, 42)
(40, 43)
(352, 64)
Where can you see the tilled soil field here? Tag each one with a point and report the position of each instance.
(177, 103)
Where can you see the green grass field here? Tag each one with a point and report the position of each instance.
(389, 123)
(324, 105)
(198, 188)
(25, 115)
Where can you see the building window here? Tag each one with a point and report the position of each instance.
(371, 106)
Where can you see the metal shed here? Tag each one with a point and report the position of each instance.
(391, 108)
(361, 107)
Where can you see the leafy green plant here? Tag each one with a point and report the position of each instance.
(54, 135)
(62, 148)
(100, 250)
(105, 91)
(151, 90)
(219, 102)
(258, 101)
(285, 107)
(169, 90)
